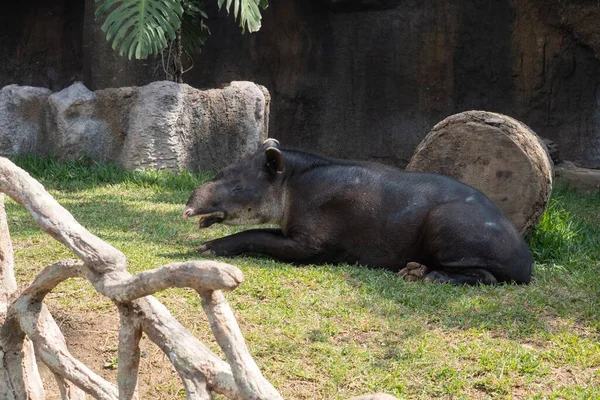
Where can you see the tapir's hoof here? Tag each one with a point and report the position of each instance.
(413, 271)
(205, 251)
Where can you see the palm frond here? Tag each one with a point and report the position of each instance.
(247, 12)
(140, 28)
(194, 31)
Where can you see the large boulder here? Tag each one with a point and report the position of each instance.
(496, 154)
(22, 119)
(75, 131)
(161, 125)
(175, 126)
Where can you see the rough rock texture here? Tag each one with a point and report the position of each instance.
(360, 5)
(161, 125)
(371, 84)
(581, 179)
(22, 110)
(495, 154)
(362, 79)
(75, 132)
(41, 43)
(176, 126)
(553, 150)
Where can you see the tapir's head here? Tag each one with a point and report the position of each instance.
(246, 193)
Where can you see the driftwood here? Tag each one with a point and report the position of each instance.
(28, 331)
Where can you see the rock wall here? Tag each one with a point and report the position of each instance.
(161, 125)
(369, 79)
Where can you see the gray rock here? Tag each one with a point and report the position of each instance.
(22, 119)
(580, 179)
(153, 136)
(177, 127)
(223, 125)
(74, 130)
(161, 125)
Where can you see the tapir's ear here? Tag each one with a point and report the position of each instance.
(275, 160)
(270, 142)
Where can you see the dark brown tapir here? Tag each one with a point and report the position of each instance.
(336, 211)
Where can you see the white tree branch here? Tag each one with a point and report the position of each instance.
(19, 375)
(247, 375)
(68, 391)
(56, 221)
(199, 275)
(129, 354)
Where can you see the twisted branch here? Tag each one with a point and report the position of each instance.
(28, 323)
(105, 267)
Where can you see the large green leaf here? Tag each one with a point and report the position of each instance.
(139, 28)
(194, 30)
(246, 11)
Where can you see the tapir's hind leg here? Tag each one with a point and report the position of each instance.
(473, 242)
(416, 272)
(472, 276)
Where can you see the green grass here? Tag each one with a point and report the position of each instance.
(331, 332)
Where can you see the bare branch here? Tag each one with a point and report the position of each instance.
(199, 275)
(37, 323)
(68, 391)
(19, 375)
(129, 354)
(56, 221)
(192, 360)
(105, 267)
(247, 375)
(8, 283)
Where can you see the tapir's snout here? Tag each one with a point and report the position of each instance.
(187, 212)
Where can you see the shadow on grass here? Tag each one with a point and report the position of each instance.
(85, 174)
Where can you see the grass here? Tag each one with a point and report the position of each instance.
(331, 332)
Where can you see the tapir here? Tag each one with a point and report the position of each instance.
(425, 226)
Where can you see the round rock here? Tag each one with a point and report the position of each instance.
(496, 154)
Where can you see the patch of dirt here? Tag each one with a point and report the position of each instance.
(93, 339)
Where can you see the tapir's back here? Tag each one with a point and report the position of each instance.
(370, 213)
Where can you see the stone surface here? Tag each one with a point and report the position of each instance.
(496, 154)
(553, 150)
(361, 5)
(74, 130)
(22, 119)
(577, 178)
(370, 84)
(178, 127)
(161, 125)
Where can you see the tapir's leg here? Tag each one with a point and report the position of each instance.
(470, 276)
(416, 272)
(471, 243)
(271, 242)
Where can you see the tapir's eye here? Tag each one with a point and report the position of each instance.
(237, 189)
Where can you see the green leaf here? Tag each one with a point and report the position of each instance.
(194, 31)
(140, 28)
(247, 12)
